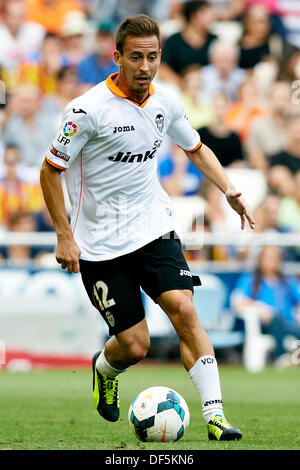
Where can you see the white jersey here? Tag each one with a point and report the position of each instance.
(108, 145)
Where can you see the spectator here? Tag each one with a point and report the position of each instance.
(217, 219)
(257, 43)
(275, 297)
(268, 135)
(267, 221)
(266, 214)
(29, 127)
(114, 11)
(242, 114)
(206, 252)
(289, 12)
(72, 35)
(201, 224)
(189, 46)
(172, 21)
(228, 10)
(273, 8)
(67, 89)
(16, 193)
(280, 180)
(199, 113)
(99, 65)
(222, 74)
(18, 38)
(289, 158)
(51, 13)
(19, 255)
(41, 68)
(289, 209)
(217, 135)
(290, 66)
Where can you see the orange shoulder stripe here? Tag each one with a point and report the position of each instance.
(54, 164)
(196, 148)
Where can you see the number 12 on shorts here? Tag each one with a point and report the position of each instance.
(104, 303)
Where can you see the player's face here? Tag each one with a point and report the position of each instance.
(139, 62)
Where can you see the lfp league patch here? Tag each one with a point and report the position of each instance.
(70, 129)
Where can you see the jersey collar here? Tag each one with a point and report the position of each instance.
(116, 90)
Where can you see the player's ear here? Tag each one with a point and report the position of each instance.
(117, 56)
(159, 54)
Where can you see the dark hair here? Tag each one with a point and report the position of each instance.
(65, 71)
(18, 215)
(258, 279)
(138, 26)
(50, 36)
(189, 8)
(190, 68)
(11, 145)
(259, 275)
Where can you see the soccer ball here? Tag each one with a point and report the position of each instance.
(159, 414)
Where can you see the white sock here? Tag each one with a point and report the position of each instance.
(205, 376)
(103, 366)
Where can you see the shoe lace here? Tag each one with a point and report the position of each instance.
(110, 390)
(221, 421)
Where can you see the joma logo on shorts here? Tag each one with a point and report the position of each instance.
(184, 272)
(123, 129)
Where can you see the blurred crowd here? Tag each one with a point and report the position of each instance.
(235, 65)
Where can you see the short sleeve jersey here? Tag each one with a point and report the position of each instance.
(107, 145)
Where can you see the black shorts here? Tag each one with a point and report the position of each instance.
(114, 286)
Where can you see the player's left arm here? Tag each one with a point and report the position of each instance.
(207, 163)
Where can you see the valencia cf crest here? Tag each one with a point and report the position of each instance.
(160, 122)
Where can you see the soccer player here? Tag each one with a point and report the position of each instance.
(121, 236)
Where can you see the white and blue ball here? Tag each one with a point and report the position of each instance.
(159, 414)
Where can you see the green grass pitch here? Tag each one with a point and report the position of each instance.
(50, 410)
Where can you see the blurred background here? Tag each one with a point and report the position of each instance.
(235, 66)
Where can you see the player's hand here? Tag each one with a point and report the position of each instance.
(238, 204)
(67, 254)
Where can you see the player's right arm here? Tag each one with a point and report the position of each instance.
(76, 129)
(67, 251)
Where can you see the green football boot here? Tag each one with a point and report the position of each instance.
(105, 393)
(220, 430)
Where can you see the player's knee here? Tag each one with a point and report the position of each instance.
(137, 350)
(184, 308)
(184, 317)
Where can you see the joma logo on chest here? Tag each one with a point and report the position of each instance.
(123, 129)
